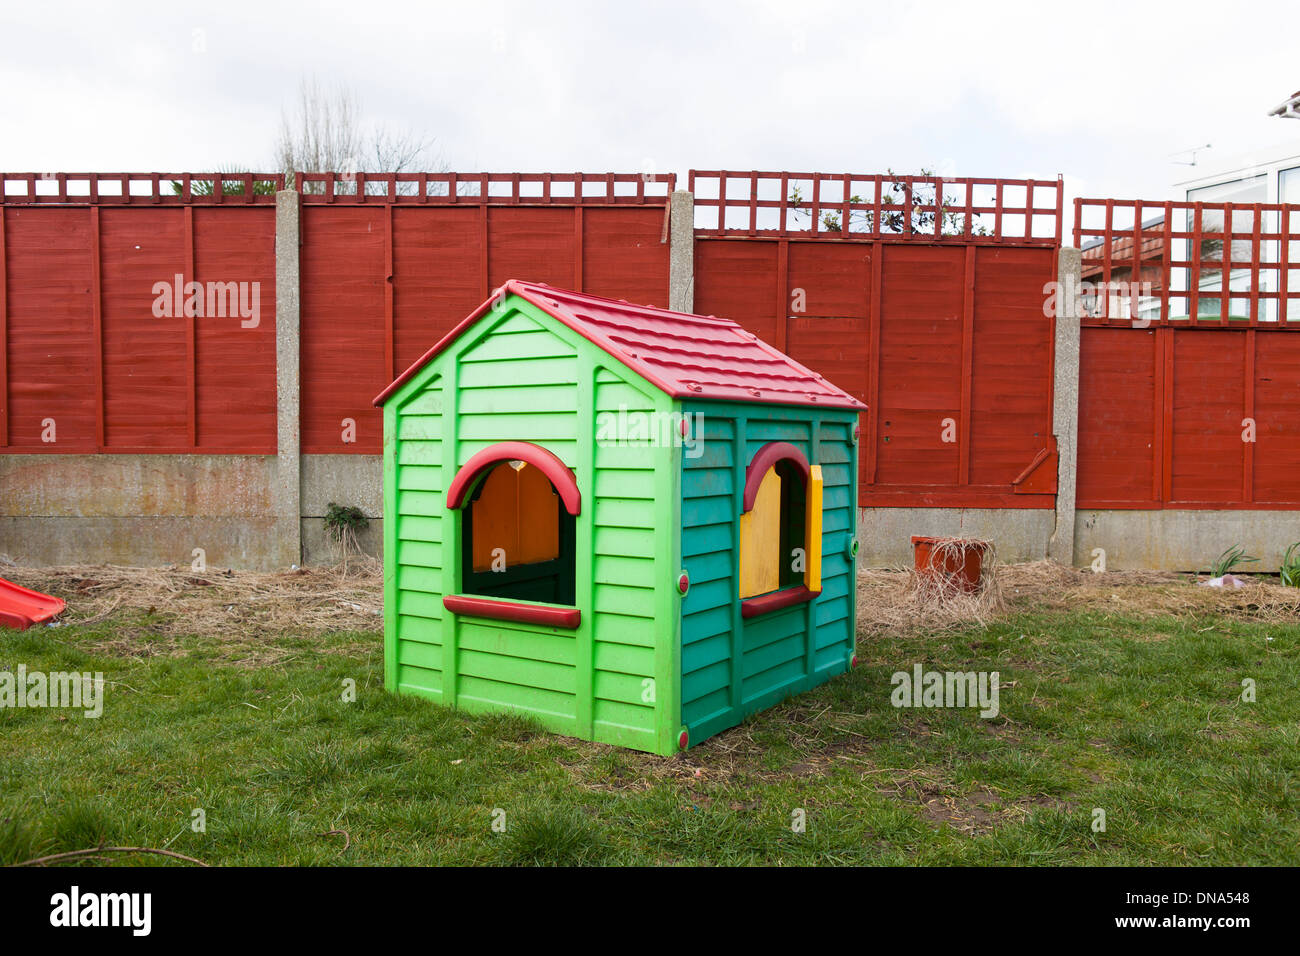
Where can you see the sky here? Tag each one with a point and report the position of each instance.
(1111, 95)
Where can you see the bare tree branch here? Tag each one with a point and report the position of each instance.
(325, 133)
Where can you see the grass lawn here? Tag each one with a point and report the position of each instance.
(1104, 704)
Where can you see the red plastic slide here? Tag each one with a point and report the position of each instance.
(22, 608)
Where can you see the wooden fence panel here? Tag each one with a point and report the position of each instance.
(51, 344)
(383, 282)
(234, 377)
(344, 340)
(948, 345)
(147, 396)
(1120, 434)
(1190, 366)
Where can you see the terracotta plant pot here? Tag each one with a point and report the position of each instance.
(951, 562)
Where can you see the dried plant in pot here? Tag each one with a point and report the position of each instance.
(954, 579)
(956, 564)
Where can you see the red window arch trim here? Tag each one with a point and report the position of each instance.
(765, 458)
(535, 455)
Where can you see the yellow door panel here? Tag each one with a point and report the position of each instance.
(760, 539)
(813, 522)
(496, 522)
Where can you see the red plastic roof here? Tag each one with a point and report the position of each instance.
(687, 356)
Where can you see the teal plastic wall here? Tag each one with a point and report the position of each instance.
(732, 667)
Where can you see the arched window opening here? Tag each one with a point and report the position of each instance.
(517, 537)
(780, 530)
(519, 506)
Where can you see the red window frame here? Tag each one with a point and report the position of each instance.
(458, 495)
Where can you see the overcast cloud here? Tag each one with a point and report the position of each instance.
(1101, 92)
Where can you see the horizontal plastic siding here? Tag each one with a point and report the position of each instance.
(708, 553)
(773, 647)
(416, 584)
(623, 588)
(524, 381)
(518, 383)
(833, 611)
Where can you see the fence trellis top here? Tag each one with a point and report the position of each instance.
(146, 189)
(1190, 264)
(516, 189)
(139, 189)
(869, 206)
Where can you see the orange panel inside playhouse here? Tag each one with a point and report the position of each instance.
(517, 513)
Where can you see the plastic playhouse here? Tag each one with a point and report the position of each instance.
(636, 526)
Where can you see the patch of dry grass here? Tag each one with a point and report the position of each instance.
(320, 599)
(250, 613)
(245, 607)
(890, 601)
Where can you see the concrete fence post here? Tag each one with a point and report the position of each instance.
(1065, 402)
(287, 493)
(681, 254)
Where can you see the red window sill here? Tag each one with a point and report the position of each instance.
(516, 611)
(775, 600)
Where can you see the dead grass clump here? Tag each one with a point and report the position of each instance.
(982, 809)
(891, 602)
(1261, 600)
(238, 604)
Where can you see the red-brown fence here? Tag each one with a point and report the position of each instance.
(942, 333)
(100, 357)
(89, 364)
(1189, 385)
(945, 337)
(930, 307)
(387, 272)
(388, 265)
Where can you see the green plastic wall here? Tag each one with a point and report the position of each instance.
(520, 375)
(732, 667)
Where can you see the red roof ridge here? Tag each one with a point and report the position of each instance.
(630, 343)
(743, 367)
(693, 317)
(698, 367)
